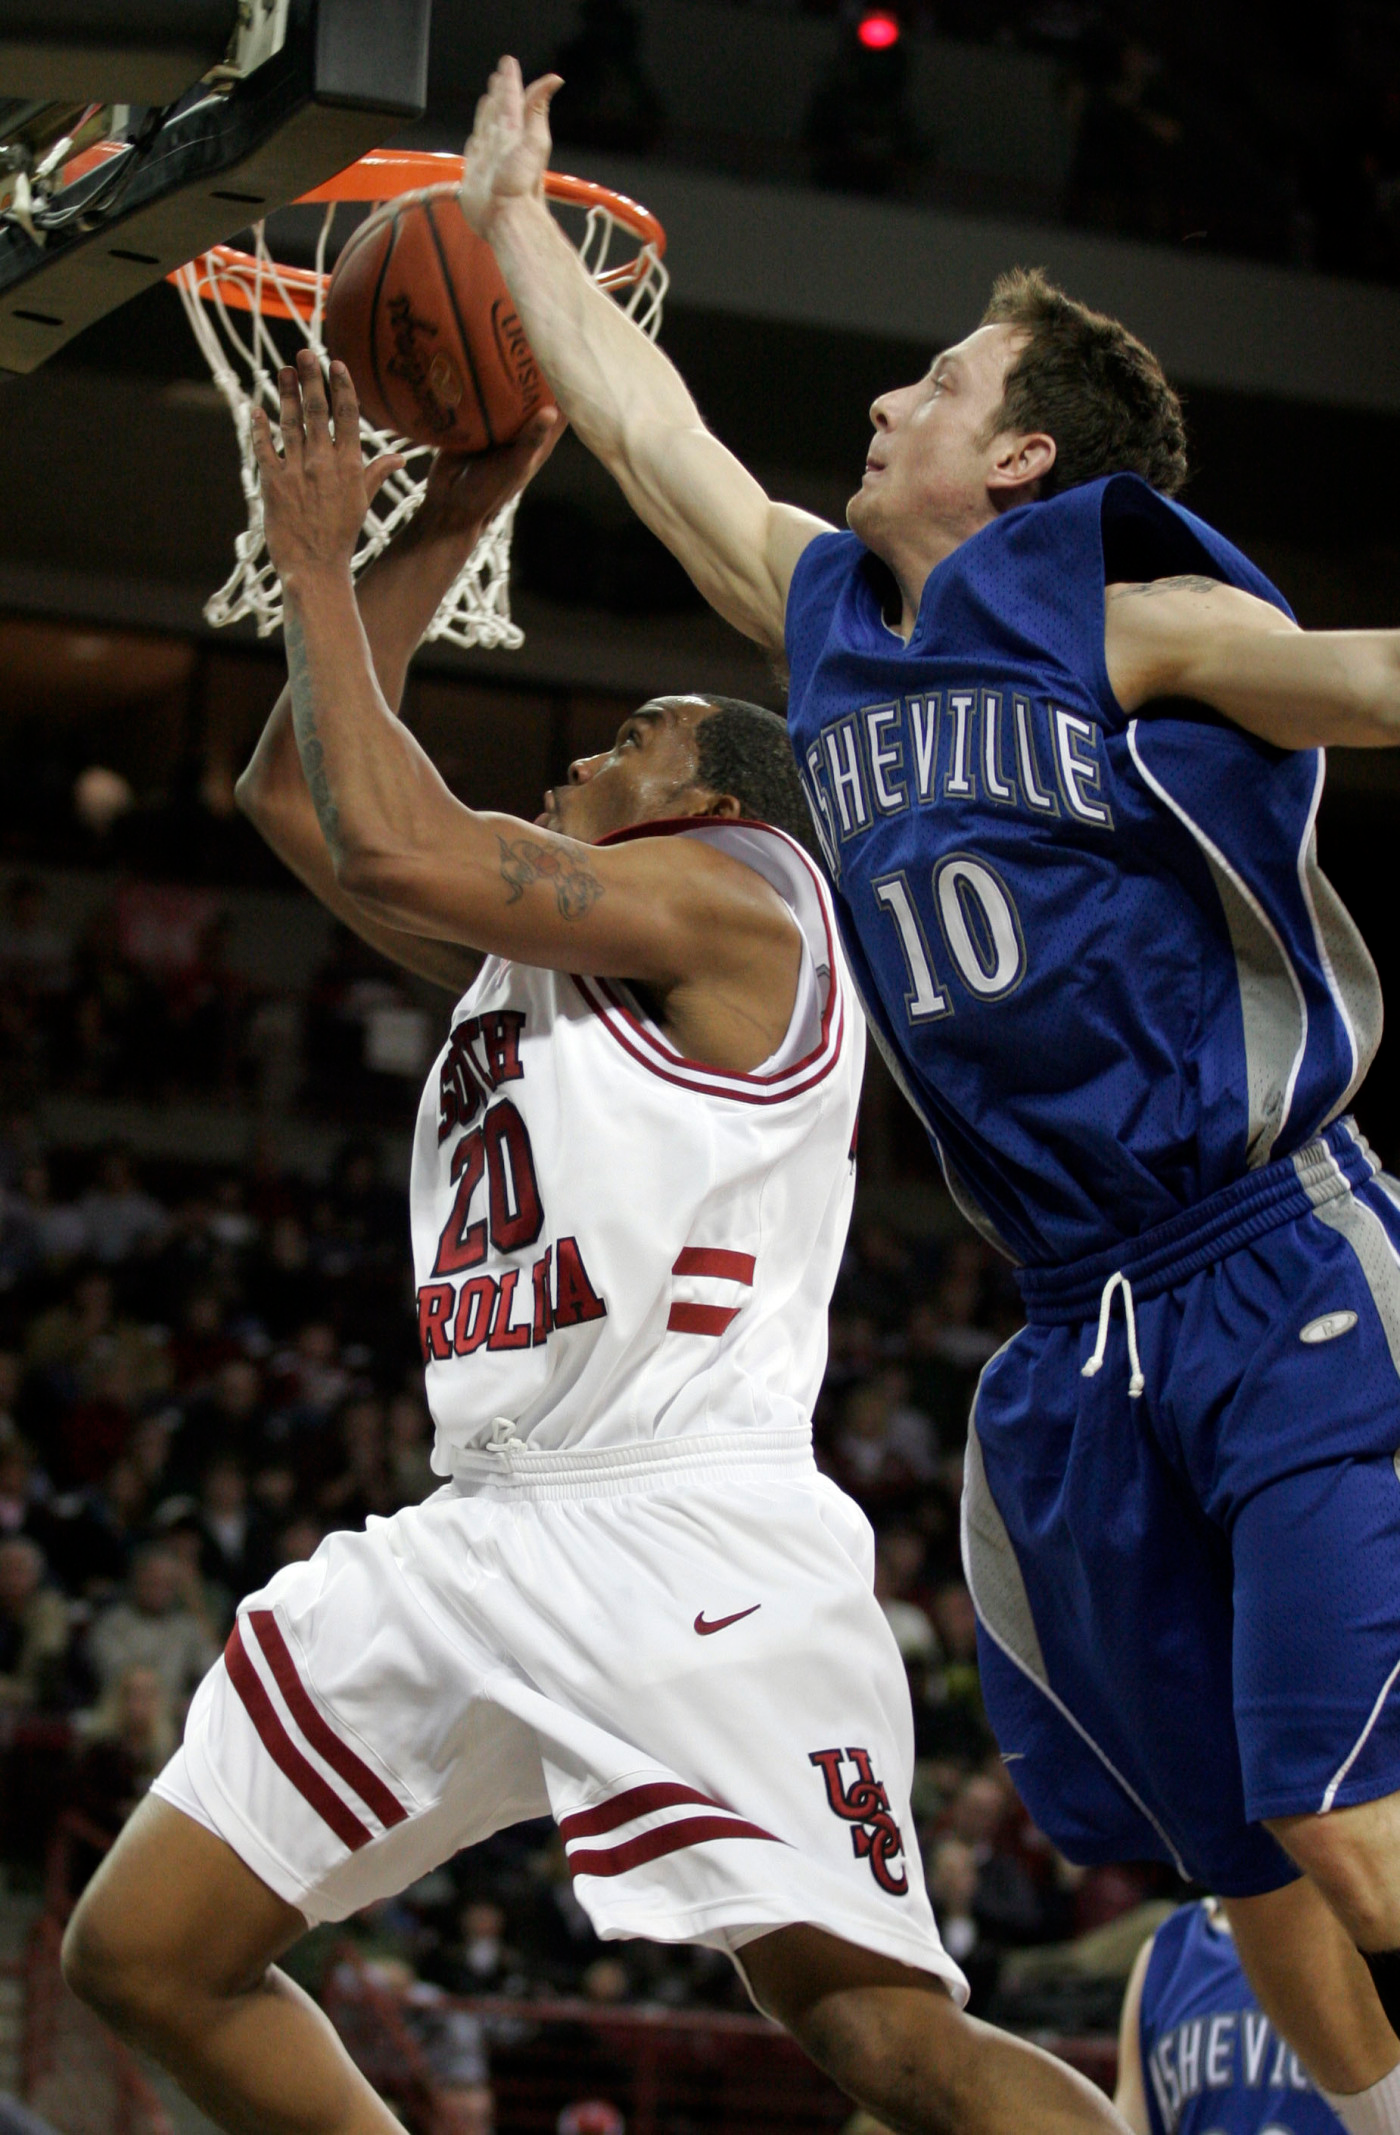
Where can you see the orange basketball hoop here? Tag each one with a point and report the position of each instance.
(234, 298)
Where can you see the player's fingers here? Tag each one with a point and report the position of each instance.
(507, 89)
(314, 407)
(345, 407)
(289, 413)
(537, 101)
(264, 451)
(378, 472)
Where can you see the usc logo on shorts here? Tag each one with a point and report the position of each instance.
(866, 1805)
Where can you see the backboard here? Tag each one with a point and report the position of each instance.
(223, 109)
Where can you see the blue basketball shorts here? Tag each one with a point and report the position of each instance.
(1189, 1601)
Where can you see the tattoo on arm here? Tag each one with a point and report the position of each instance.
(576, 888)
(1185, 584)
(313, 761)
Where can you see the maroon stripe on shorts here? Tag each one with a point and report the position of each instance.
(284, 1752)
(715, 1260)
(667, 1838)
(701, 1319)
(637, 1801)
(338, 1755)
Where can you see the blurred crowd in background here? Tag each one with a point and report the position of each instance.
(204, 1371)
(140, 1001)
(1270, 131)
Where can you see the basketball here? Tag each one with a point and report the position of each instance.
(420, 316)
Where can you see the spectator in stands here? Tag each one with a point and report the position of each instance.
(89, 1535)
(178, 1528)
(70, 1345)
(354, 1481)
(230, 1418)
(479, 1960)
(299, 1540)
(1005, 1900)
(236, 1550)
(899, 1559)
(58, 1228)
(128, 1737)
(152, 1627)
(309, 1382)
(119, 1217)
(952, 1883)
(96, 1429)
(201, 1343)
(34, 1630)
(884, 1446)
(556, 1934)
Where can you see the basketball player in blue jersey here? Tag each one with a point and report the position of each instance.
(1196, 2053)
(1063, 746)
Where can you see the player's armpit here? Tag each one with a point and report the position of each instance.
(1160, 635)
(1299, 689)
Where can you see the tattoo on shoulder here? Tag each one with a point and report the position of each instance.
(1185, 584)
(576, 887)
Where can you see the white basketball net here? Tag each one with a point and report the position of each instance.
(245, 354)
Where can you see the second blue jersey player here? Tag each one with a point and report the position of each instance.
(1063, 746)
(1196, 2053)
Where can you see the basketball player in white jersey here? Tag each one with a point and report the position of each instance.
(635, 1605)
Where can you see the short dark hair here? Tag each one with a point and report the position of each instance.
(743, 749)
(1088, 383)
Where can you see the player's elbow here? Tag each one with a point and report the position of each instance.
(377, 879)
(251, 795)
(266, 795)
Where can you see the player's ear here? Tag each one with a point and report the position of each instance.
(1020, 463)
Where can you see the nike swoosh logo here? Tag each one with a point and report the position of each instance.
(722, 1623)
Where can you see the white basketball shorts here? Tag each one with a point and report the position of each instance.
(674, 1650)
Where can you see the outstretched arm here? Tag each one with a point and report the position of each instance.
(625, 399)
(1300, 689)
(397, 596)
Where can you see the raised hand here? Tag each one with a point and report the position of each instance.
(508, 152)
(317, 490)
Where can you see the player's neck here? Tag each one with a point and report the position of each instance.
(912, 569)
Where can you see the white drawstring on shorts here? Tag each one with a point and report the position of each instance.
(502, 1437)
(1095, 1364)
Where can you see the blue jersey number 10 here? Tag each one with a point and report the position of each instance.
(979, 924)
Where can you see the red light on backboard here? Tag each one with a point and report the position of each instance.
(878, 30)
